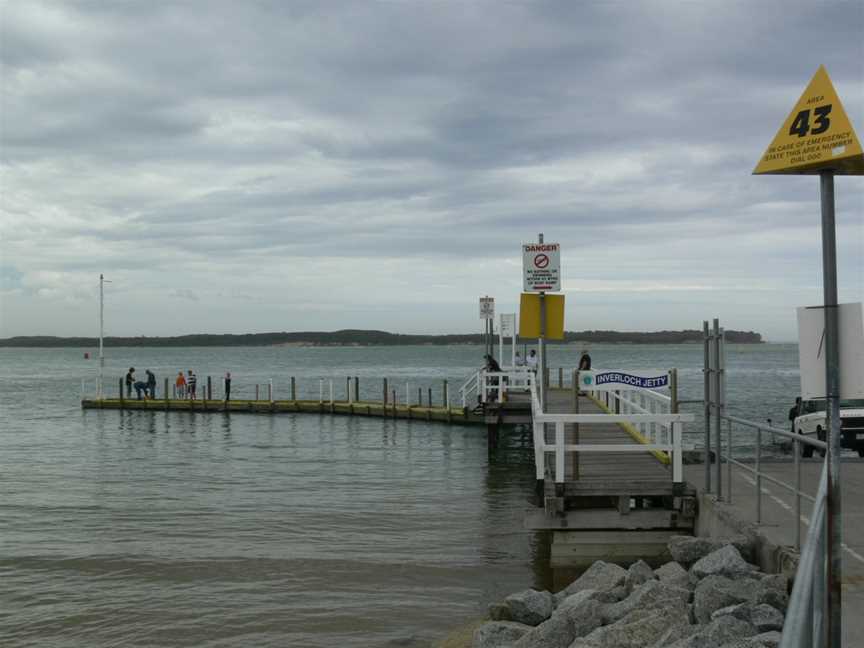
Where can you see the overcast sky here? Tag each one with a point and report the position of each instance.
(269, 166)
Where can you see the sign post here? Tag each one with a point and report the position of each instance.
(487, 314)
(507, 328)
(817, 138)
(541, 265)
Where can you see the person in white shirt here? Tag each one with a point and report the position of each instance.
(531, 360)
(520, 361)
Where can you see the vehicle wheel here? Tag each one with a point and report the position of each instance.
(821, 436)
(806, 450)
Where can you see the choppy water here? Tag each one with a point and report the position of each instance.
(181, 529)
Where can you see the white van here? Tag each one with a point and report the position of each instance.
(810, 418)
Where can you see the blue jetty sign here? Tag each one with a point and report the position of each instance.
(607, 380)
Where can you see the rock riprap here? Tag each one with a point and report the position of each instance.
(710, 596)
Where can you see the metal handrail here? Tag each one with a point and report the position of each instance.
(674, 445)
(805, 616)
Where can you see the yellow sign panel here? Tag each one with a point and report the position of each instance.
(817, 135)
(529, 316)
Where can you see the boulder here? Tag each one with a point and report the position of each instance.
(772, 590)
(601, 576)
(653, 594)
(716, 592)
(529, 606)
(673, 574)
(726, 561)
(638, 573)
(769, 639)
(739, 611)
(639, 629)
(498, 634)
(566, 624)
(766, 618)
(688, 549)
(721, 630)
(749, 642)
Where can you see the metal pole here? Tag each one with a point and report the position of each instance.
(832, 383)
(717, 440)
(541, 344)
(706, 410)
(101, 333)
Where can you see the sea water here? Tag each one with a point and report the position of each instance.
(142, 528)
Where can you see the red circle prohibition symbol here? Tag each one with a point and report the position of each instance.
(541, 261)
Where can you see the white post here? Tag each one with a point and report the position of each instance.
(82, 389)
(320, 390)
(271, 391)
(331, 391)
(99, 387)
(407, 394)
(559, 453)
(540, 450)
(500, 388)
(677, 459)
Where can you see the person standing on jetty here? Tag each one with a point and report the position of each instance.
(531, 360)
(585, 361)
(192, 385)
(227, 380)
(180, 385)
(151, 384)
(130, 380)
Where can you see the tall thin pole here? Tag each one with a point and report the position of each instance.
(541, 342)
(716, 398)
(832, 385)
(706, 343)
(101, 335)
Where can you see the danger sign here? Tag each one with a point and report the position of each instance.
(541, 263)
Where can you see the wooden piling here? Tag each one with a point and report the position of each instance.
(167, 401)
(446, 395)
(357, 388)
(209, 388)
(293, 390)
(384, 400)
(121, 394)
(429, 401)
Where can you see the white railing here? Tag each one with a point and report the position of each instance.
(641, 401)
(671, 445)
(492, 385)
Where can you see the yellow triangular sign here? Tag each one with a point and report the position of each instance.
(817, 135)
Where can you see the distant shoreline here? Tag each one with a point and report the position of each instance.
(365, 338)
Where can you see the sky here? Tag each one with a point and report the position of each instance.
(289, 166)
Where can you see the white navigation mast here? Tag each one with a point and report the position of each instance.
(99, 392)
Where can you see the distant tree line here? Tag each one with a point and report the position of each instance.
(354, 337)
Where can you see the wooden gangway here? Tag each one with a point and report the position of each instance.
(608, 466)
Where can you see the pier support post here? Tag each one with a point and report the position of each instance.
(384, 401)
(121, 393)
(357, 388)
(209, 388)
(293, 389)
(166, 395)
(429, 401)
(445, 394)
(491, 436)
(419, 397)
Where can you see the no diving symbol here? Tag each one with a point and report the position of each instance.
(541, 261)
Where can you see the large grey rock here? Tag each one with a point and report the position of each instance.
(653, 594)
(637, 574)
(580, 598)
(676, 633)
(673, 574)
(762, 616)
(529, 606)
(739, 611)
(716, 592)
(601, 576)
(639, 629)
(769, 639)
(720, 631)
(688, 549)
(566, 624)
(726, 561)
(773, 591)
(766, 618)
(498, 634)
(749, 642)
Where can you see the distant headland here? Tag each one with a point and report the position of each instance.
(355, 337)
